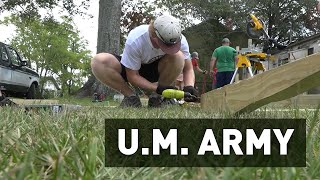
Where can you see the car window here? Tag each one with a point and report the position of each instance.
(15, 59)
(3, 53)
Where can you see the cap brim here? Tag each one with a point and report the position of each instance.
(169, 49)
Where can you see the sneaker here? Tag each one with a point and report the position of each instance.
(155, 100)
(6, 102)
(131, 101)
(169, 101)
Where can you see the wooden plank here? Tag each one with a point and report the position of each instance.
(277, 84)
(54, 108)
(34, 101)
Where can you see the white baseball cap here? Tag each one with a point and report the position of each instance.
(168, 31)
(195, 55)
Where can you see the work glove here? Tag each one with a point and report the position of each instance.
(160, 88)
(192, 91)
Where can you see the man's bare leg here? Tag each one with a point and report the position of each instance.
(106, 68)
(170, 67)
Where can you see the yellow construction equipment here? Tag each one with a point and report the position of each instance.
(178, 94)
(246, 57)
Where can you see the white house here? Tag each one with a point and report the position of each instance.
(297, 50)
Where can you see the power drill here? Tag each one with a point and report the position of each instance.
(178, 94)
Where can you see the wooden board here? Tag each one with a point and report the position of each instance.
(34, 101)
(277, 84)
(54, 108)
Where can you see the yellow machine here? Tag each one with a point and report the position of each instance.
(179, 95)
(174, 93)
(244, 62)
(255, 29)
(256, 23)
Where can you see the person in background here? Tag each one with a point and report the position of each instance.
(224, 59)
(195, 64)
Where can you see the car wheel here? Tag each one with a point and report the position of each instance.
(31, 94)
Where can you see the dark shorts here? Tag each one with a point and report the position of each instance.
(223, 78)
(148, 71)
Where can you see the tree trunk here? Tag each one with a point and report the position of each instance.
(108, 41)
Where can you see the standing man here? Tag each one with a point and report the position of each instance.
(224, 59)
(153, 57)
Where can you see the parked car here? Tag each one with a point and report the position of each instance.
(16, 77)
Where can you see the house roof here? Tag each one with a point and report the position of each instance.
(297, 43)
(310, 38)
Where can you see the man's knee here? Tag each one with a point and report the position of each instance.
(105, 60)
(177, 58)
(175, 61)
(101, 59)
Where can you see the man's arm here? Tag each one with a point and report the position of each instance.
(236, 60)
(200, 70)
(188, 74)
(135, 79)
(213, 63)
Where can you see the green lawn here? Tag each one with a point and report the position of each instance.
(71, 145)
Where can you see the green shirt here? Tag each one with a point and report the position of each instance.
(225, 58)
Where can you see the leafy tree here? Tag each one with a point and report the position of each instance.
(188, 10)
(300, 17)
(135, 13)
(31, 8)
(55, 49)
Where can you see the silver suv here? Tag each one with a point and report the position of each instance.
(16, 78)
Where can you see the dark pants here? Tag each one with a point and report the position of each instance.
(148, 71)
(223, 78)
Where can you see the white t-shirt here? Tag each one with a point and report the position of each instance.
(139, 50)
